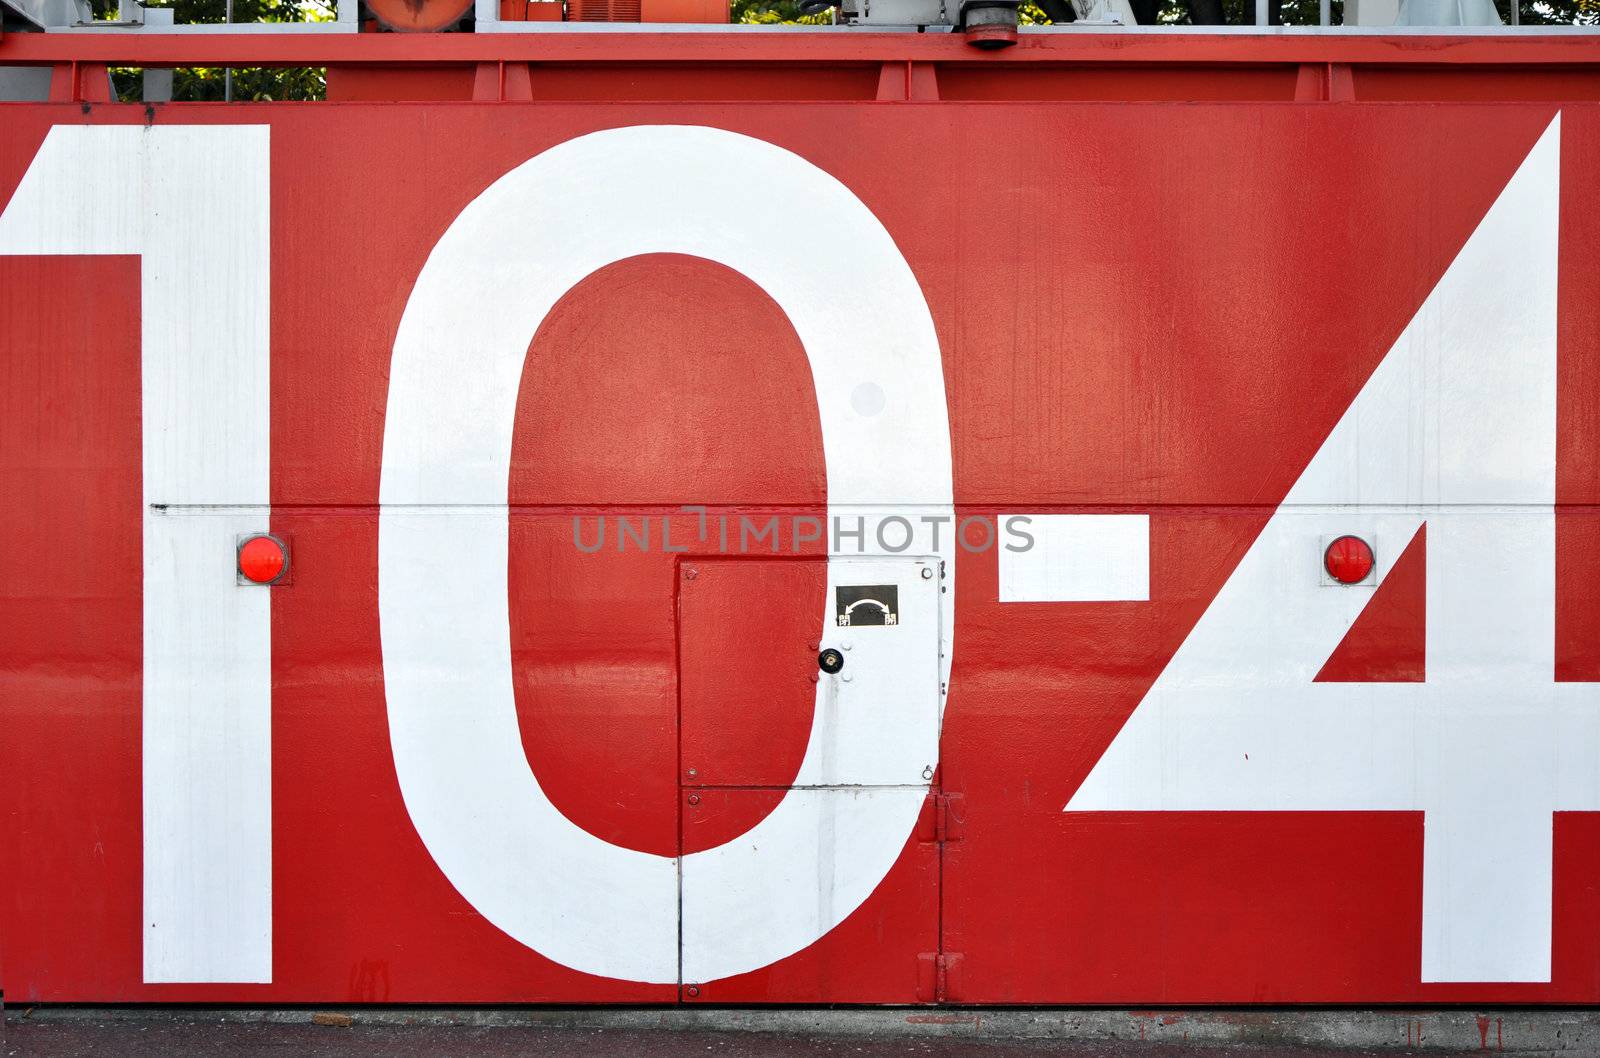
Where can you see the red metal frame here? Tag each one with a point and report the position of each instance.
(750, 45)
(751, 65)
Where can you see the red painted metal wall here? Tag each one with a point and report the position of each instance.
(1155, 285)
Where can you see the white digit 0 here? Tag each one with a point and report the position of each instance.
(458, 357)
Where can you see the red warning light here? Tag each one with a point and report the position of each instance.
(263, 559)
(1348, 560)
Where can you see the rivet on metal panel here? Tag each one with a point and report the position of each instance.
(690, 572)
(694, 798)
(693, 773)
(927, 773)
(927, 573)
(693, 991)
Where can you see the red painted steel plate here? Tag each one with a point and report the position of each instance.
(1156, 312)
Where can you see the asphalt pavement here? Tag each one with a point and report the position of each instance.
(199, 1036)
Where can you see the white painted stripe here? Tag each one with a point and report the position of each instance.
(1078, 558)
(192, 202)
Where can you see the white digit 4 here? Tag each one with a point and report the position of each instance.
(1455, 428)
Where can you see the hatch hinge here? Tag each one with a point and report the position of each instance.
(936, 976)
(943, 820)
(947, 817)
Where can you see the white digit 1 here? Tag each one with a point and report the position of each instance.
(457, 363)
(1456, 429)
(191, 203)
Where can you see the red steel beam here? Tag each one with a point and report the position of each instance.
(744, 46)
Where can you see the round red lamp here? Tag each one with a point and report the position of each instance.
(263, 559)
(1348, 560)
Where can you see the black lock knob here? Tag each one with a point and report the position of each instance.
(830, 661)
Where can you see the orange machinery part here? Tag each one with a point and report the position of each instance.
(418, 16)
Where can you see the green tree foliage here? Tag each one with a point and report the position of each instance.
(774, 12)
(213, 83)
(251, 83)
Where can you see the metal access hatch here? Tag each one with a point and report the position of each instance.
(808, 742)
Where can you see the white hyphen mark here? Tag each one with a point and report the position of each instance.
(1078, 558)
